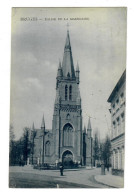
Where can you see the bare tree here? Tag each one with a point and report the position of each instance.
(33, 135)
(12, 146)
(26, 144)
(106, 152)
(96, 150)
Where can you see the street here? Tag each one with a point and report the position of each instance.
(27, 177)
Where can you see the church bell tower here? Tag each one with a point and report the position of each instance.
(67, 117)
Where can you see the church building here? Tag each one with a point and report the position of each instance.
(67, 142)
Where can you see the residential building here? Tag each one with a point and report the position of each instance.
(117, 99)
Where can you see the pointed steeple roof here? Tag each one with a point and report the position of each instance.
(33, 127)
(59, 65)
(84, 129)
(77, 67)
(67, 64)
(89, 124)
(59, 73)
(43, 122)
(68, 45)
(89, 129)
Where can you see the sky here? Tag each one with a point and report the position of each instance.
(98, 41)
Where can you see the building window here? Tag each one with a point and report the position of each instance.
(47, 148)
(113, 106)
(114, 124)
(66, 90)
(122, 117)
(117, 101)
(68, 116)
(114, 129)
(123, 122)
(122, 97)
(118, 125)
(68, 135)
(70, 92)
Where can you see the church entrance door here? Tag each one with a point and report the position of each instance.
(67, 159)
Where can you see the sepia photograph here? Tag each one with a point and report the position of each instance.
(67, 97)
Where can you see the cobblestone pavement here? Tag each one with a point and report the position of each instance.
(28, 177)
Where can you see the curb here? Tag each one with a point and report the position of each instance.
(103, 183)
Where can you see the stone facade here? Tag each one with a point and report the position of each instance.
(117, 100)
(66, 142)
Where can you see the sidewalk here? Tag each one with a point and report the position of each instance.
(110, 180)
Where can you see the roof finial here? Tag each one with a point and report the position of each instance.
(68, 27)
(84, 129)
(89, 124)
(59, 64)
(77, 67)
(43, 122)
(33, 126)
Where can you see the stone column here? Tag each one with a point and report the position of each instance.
(119, 159)
(116, 159)
(122, 158)
(113, 159)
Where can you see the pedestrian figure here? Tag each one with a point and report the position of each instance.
(61, 169)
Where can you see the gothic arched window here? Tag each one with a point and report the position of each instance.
(68, 116)
(70, 92)
(66, 89)
(47, 148)
(68, 135)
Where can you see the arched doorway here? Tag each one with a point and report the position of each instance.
(67, 159)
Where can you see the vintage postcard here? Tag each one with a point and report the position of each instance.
(68, 97)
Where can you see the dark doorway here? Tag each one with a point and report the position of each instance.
(67, 159)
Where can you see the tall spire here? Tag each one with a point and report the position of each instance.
(59, 64)
(89, 129)
(77, 73)
(77, 67)
(59, 73)
(68, 45)
(84, 129)
(43, 123)
(89, 124)
(33, 127)
(67, 64)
